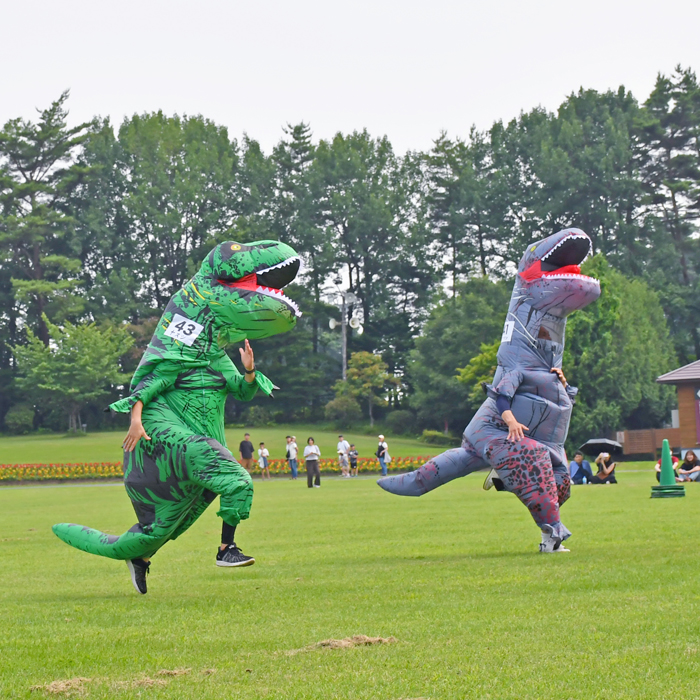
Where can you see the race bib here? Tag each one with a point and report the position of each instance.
(184, 329)
(507, 331)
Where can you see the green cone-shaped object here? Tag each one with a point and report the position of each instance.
(667, 488)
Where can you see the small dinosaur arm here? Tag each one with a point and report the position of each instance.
(548, 287)
(183, 380)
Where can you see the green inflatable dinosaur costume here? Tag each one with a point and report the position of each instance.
(183, 380)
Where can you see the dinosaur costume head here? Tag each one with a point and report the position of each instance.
(549, 286)
(242, 285)
(236, 294)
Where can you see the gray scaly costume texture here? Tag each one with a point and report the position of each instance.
(548, 287)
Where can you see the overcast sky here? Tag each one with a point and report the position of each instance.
(407, 69)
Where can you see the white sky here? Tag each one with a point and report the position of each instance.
(406, 68)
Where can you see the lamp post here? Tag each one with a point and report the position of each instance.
(346, 298)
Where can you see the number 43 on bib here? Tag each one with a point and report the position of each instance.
(184, 329)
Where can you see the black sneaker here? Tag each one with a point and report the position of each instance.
(232, 556)
(138, 568)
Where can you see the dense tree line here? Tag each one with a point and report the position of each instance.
(101, 225)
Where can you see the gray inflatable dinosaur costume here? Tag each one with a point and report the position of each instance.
(548, 287)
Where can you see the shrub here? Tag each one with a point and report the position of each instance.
(401, 422)
(20, 418)
(434, 437)
(343, 411)
(257, 415)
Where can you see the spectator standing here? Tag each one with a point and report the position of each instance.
(689, 468)
(292, 452)
(245, 450)
(352, 456)
(674, 463)
(343, 449)
(263, 462)
(580, 469)
(606, 470)
(383, 455)
(313, 471)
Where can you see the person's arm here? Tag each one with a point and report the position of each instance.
(515, 428)
(136, 430)
(161, 378)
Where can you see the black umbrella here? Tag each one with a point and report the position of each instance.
(597, 445)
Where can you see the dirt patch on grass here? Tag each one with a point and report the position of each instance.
(357, 640)
(174, 672)
(69, 687)
(208, 671)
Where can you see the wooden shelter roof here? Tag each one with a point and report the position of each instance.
(683, 375)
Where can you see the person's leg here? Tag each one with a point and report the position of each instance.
(157, 484)
(309, 473)
(563, 482)
(317, 472)
(525, 468)
(382, 464)
(293, 466)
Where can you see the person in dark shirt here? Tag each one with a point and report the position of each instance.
(245, 450)
(606, 469)
(689, 468)
(352, 454)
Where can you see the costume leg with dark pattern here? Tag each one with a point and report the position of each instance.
(171, 480)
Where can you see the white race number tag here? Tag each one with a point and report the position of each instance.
(507, 331)
(183, 329)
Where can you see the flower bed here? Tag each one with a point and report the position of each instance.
(113, 470)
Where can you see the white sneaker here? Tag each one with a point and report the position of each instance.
(317, 486)
(551, 545)
(488, 482)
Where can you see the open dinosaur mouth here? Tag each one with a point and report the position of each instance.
(563, 261)
(269, 281)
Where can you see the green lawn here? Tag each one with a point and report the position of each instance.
(453, 576)
(106, 447)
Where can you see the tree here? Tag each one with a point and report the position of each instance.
(367, 376)
(480, 368)
(78, 366)
(669, 132)
(615, 350)
(452, 336)
(38, 172)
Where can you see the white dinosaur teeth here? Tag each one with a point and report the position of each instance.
(284, 263)
(276, 293)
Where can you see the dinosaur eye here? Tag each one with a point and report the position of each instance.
(235, 246)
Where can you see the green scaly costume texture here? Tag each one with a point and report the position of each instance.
(183, 380)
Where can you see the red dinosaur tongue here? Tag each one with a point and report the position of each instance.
(566, 270)
(534, 272)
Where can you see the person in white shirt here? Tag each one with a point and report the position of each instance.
(313, 469)
(263, 455)
(383, 455)
(292, 452)
(343, 449)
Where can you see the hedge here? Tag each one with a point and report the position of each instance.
(113, 470)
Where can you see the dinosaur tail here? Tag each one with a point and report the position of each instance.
(88, 540)
(436, 472)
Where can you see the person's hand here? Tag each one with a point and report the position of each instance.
(247, 357)
(560, 374)
(515, 429)
(136, 432)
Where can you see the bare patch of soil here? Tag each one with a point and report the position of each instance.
(174, 672)
(357, 640)
(68, 687)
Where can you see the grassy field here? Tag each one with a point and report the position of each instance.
(454, 577)
(106, 446)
